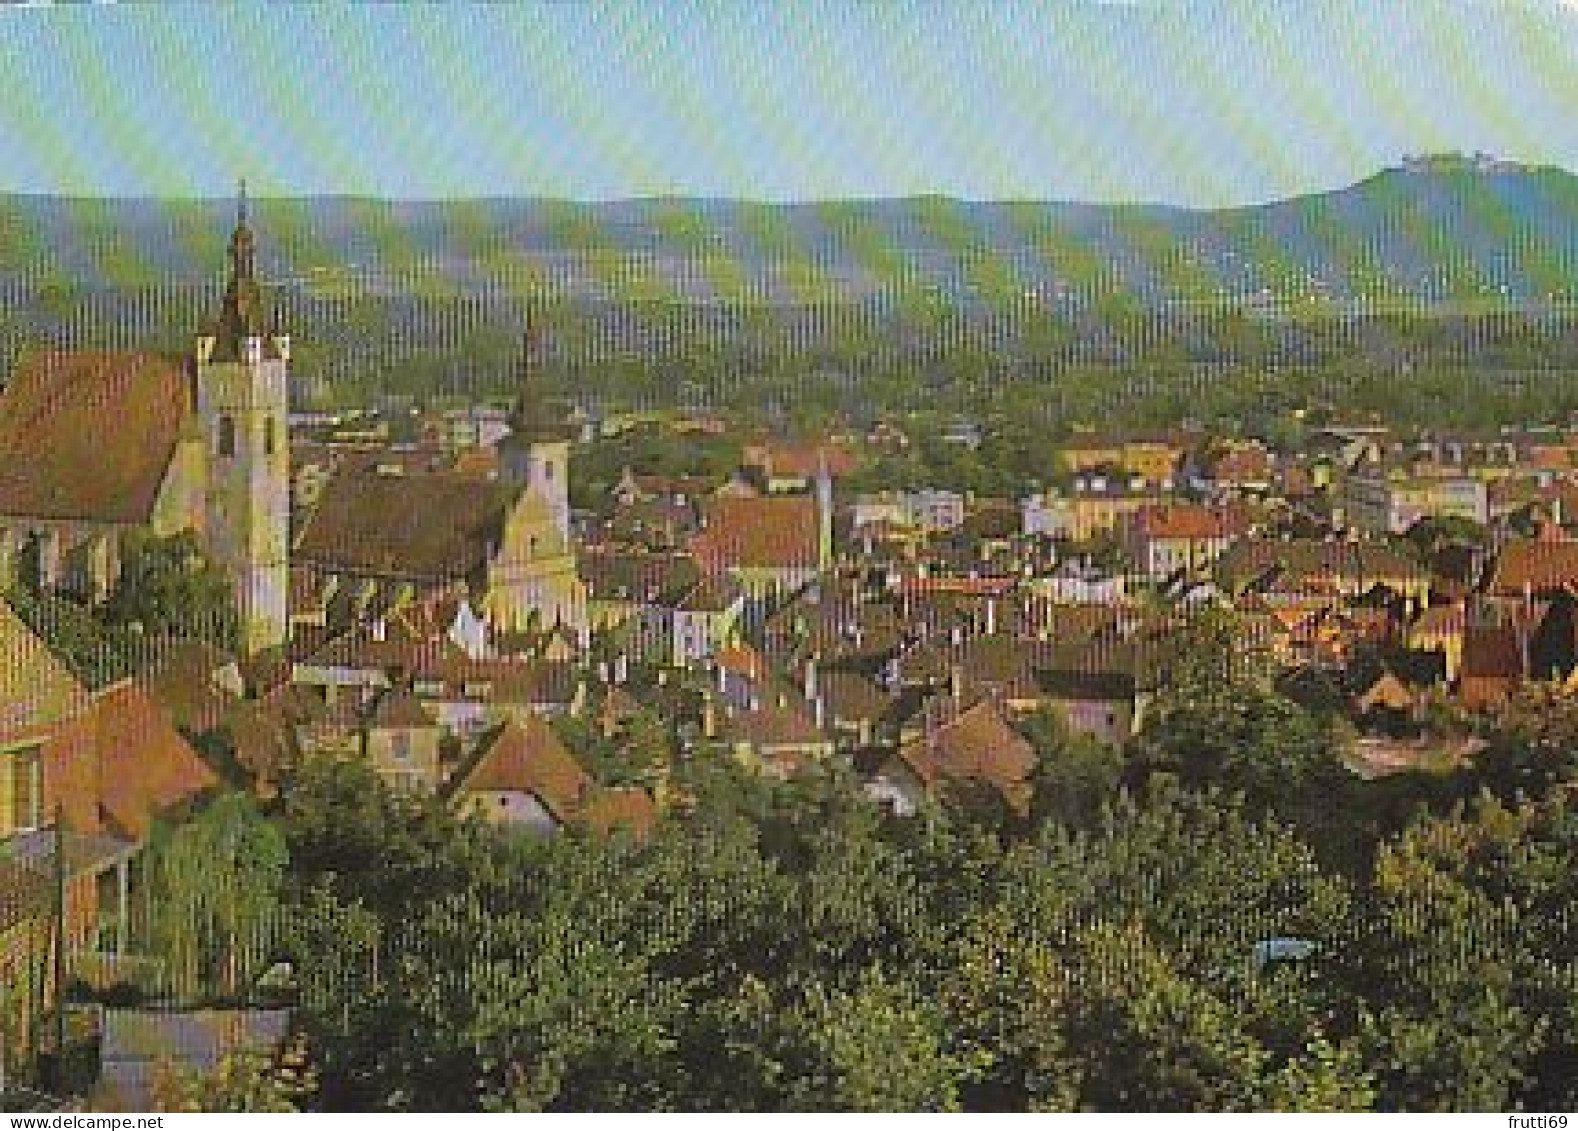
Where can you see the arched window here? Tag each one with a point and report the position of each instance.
(227, 436)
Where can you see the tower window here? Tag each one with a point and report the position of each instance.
(227, 436)
(268, 435)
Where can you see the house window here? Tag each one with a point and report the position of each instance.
(547, 471)
(227, 436)
(400, 746)
(25, 769)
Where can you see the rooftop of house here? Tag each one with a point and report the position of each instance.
(434, 526)
(980, 746)
(525, 756)
(773, 532)
(1534, 565)
(89, 435)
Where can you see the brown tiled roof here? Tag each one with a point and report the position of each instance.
(850, 697)
(1492, 652)
(89, 435)
(773, 532)
(774, 724)
(401, 649)
(1537, 565)
(526, 756)
(977, 746)
(430, 526)
(143, 765)
(1302, 562)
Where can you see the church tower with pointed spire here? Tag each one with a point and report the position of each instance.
(242, 364)
(536, 453)
(532, 580)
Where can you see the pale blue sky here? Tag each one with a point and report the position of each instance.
(1188, 101)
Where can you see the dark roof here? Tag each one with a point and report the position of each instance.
(432, 526)
(635, 575)
(89, 435)
(1067, 684)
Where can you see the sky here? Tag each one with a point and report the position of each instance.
(1198, 102)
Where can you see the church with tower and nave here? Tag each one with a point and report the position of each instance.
(95, 445)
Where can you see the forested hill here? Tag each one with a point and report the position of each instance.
(1445, 230)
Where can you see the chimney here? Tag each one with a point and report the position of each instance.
(956, 683)
(810, 679)
(621, 668)
(709, 717)
(991, 616)
(819, 709)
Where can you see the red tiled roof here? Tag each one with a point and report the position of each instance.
(802, 462)
(89, 435)
(526, 756)
(773, 532)
(125, 759)
(1184, 521)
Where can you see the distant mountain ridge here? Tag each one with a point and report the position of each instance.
(1433, 228)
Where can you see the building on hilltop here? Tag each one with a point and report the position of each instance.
(98, 445)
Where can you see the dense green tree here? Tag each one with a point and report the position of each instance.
(167, 587)
(215, 885)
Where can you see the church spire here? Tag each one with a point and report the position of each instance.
(243, 247)
(531, 417)
(241, 315)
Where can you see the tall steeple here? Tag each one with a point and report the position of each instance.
(242, 245)
(242, 384)
(531, 418)
(241, 314)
